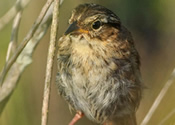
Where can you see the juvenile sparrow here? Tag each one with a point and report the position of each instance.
(98, 67)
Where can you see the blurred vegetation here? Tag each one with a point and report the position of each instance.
(152, 25)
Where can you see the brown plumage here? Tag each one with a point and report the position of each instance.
(98, 67)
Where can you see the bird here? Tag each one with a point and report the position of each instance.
(99, 67)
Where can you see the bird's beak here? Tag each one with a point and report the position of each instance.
(74, 27)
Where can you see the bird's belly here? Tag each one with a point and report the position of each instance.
(95, 93)
(95, 88)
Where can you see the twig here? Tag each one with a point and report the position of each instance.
(159, 98)
(25, 41)
(50, 59)
(23, 60)
(13, 42)
(19, 5)
(167, 117)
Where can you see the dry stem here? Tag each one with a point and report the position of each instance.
(25, 41)
(19, 5)
(23, 60)
(159, 99)
(50, 59)
(13, 42)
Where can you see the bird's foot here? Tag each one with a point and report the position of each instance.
(77, 116)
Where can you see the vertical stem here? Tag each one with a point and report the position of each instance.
(50, 60)
(14, 36)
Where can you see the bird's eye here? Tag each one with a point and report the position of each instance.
(96, 25)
